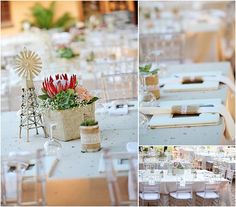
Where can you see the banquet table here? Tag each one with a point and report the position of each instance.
(203, 135)
(197, 26)
(168, 182)
(76, 178)
(231, 163)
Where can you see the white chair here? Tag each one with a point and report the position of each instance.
(120, 86)
(230, 175)
(112, 179)
(210, 193)
(150, 193)
(149, 166)
(20, 184)
(183, 192)
(162, 47)
(222, 171)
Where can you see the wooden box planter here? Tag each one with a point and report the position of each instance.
(68, 121)
(90, 138)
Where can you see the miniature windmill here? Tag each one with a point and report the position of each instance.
(28, 65)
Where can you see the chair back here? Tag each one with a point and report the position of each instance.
(148, 188)
(112, 180)
(149, 166)
(120, 86)
(183, 187)
(162, 47)
(23, 179)
(229, 175)
(211, 187)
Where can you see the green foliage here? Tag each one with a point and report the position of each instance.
(91, 57)
(64, 100)
(93, 100)
(66, 53)
(147, 69)
(80, 38)
(44, 17)
(147, 15)
(43, 96)
(89, 122)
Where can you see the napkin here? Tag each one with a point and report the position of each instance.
(218, 108)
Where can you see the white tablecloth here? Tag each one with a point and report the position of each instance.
(168, 182)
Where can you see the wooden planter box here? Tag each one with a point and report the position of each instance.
(68, 121)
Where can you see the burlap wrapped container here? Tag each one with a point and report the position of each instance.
(68, 121)
(152, 80)
(90, 138)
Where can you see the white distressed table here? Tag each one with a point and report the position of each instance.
(168, 182)
(200, 135)
(76, 179)
(116, 131)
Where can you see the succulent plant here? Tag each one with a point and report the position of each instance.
(89, 122)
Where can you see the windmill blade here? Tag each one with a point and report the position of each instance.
(28, 64)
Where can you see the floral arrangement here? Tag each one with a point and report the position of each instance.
(147, 69)
(66, 52)
(64, 92)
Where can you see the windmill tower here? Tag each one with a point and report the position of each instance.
(28, 65)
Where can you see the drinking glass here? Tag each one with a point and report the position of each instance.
(52, 147)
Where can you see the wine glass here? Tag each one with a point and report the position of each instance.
(52, 147)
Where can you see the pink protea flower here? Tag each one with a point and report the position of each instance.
(61, 83)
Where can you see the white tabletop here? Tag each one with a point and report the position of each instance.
(116, 131)
(190, 135)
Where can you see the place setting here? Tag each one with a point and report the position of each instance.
(183, 100)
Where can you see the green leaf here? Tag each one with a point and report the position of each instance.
(70, 91)
(43, 97)
(64, 21)
(155, 71)
(44, 17)
(89, 122)
(43, 90)
(93, 100)
(147, 69)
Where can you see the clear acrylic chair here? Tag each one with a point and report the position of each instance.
(121, 86)
(230, 175)
(23, 179)
(210, 193)
(112, 179)
(183, 193)
(150, 193)
(149, 166)
(162, 47)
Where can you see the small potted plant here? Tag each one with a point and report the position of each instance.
(67, 104)
(66, 52)
(150, 79)
(90, 136)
